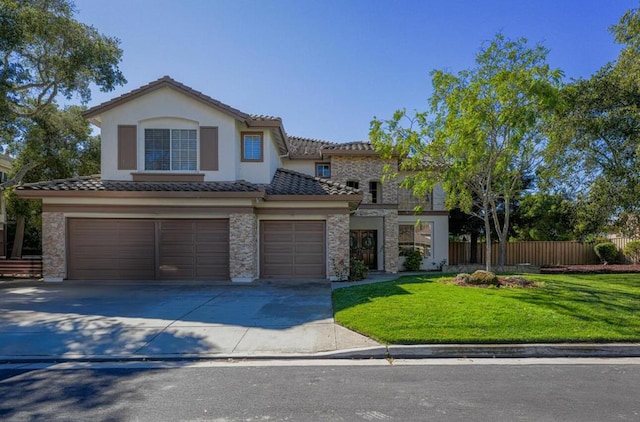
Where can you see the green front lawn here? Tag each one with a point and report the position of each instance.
(420, 309)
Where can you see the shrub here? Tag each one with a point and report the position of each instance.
(483, 277)
(520, 281)
(412, 260)
(632, 251)
(606, 251)
(463, 277)
(358, 270)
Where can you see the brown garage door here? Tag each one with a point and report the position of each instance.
(124, 249)
(194, 249)
(292, 249)
(111, 249)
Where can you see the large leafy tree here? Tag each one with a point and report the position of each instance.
(46, 54)
(482, 134)
(545, 216)
(62, 144)
(595, 142)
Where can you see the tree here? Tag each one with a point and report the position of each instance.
(62, 143)
(545, 216)
(595, 142)
(45, 53)
(482, 135)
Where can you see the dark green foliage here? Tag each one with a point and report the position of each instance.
(632, 251)
(412, 260)
(542, 216)
(45, 54)
(607, 252)
(482, 277)
(358, 270)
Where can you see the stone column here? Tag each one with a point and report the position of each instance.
(243, 247)
(338, 244)
(391, 233)
(53, 246)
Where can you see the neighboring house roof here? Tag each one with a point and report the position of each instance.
(251, 120)
(307, 148)
(286, 184)
(350, 148)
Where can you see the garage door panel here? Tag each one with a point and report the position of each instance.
(292, 249)
(125, 249)
(195, 249)
(110, 248)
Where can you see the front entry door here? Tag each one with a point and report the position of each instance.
(363, 246)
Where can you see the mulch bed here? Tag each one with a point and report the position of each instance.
(593, 269)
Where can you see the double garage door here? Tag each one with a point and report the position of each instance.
(123, 249)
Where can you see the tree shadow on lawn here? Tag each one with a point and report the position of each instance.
(80, 394)
(590, 304)
(357, 295)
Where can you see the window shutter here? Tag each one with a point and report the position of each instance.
(208, 148)
(127, 147)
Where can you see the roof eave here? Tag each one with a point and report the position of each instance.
(36, 194)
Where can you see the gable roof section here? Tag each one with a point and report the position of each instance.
(251, 120)
(286, 185)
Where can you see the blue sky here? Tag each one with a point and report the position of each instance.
(328, 67)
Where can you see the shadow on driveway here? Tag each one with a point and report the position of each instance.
(120, 319)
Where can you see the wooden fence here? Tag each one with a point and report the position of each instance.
(535, 253)
(21, 267)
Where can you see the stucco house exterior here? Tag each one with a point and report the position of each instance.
(193, 189)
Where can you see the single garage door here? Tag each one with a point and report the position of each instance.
(127, 249)
(111, 249)
(292, 249)
(194, 249)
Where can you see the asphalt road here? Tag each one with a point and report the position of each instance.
(333, 391)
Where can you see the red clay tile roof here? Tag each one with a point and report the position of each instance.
(307, 148)
(284, 182)
(289, 182)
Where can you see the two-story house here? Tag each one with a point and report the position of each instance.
(193, 189)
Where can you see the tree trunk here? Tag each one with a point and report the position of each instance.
(487, 235)
(16, 251)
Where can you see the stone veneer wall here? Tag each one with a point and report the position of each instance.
(53, 246)
(243, 247)
(338, 242)
(391, 233)
(365, 169)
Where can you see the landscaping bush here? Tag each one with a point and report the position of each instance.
(519, 280)
(607, 252)
(484, 277)
(358, 270)
(463, 277)
(412, 260)
(632, 251)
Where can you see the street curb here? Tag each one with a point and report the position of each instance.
(551, 350)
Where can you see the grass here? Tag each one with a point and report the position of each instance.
(565, 308)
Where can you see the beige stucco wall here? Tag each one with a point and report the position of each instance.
(439, 237)
(53, 246)
(365, 169)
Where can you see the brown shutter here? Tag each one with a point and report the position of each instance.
(127, 147)
(208, 148)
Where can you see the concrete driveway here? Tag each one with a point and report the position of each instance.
(125, 320)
